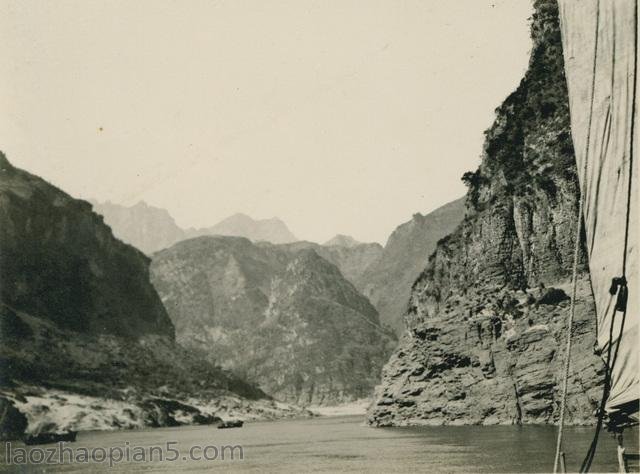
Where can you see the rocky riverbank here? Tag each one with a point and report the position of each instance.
(33, 409)
(86, 340)
(486, 321)
(493, 357)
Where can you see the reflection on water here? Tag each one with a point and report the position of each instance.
(344, 444)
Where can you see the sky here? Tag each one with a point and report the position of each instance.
(337, 116)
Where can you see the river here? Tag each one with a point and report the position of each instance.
(337, 444)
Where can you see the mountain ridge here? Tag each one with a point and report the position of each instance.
(59, 261)
(86, 341)
(282, 317)
(387, 280)
(151, 228)
(341, 240)
(272, 230)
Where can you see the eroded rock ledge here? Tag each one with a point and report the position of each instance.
(494, 357)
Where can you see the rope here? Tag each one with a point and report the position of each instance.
(633, 126)
(621, 286)
(576, 253)
(572, 311)
(588, 459)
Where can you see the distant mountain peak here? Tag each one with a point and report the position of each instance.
(271, 230)
(241, 216)
(151, 228)
(146, 227)
(342, 240)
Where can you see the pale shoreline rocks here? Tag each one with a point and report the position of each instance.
(86, 340)
(59, 411)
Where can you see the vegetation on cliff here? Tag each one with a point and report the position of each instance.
(485, 335)
(518, 160)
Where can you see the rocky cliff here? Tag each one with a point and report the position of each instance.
(385, 274)
(387, 280)
(85, 342)
(486, 322)
(59, 261)
(283, 318)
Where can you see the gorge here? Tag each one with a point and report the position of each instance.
(116, 317)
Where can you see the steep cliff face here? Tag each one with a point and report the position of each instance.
(145, 227)
(59, 261)
(85, 342)
(282, 318)
(385, 274)
(387, 280)
(486, 321)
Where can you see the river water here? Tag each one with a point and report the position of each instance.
(338, 444)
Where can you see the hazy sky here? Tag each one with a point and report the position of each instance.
(338, 116)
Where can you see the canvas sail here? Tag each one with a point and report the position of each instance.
(600, 43)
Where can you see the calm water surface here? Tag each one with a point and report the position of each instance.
(345, 444)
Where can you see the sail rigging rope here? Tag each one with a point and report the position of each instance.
(576, 253)
(588, 459)
(572, 310)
